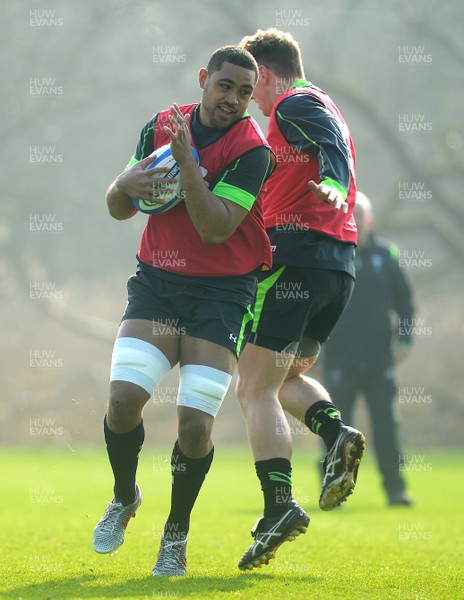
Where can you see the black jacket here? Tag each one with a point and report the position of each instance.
(381, 303)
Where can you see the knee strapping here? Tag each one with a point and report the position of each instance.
(203, 388)
(138, 362)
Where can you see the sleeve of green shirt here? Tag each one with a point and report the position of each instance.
(242, 179)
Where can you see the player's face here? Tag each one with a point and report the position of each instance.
(226, 94)
(261, 98)
(265, 92)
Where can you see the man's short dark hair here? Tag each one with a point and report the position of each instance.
(232, 54)
(277, 50)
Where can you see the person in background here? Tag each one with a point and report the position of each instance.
(362, 352)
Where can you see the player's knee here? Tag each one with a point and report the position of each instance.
(125, 404)
(308, 352)
(194, 429)
(300, 365)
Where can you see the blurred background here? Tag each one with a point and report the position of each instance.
(79, 81)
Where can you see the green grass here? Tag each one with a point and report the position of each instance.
(364, 550)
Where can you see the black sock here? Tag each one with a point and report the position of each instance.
(275, 476)
(188, 475)
(325, 420)
(123, 452)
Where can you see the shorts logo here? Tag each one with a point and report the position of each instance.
(233, 337)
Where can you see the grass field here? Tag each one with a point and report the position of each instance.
(364, 550)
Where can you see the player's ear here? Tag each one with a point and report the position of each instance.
(263, 74)
(202, 77)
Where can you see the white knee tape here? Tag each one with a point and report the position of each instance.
(203, 388)
(138, 362)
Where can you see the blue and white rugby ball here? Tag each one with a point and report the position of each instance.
(171, 196)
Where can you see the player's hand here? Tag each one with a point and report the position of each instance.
(143, 183)
(329, 195)
(179, 134)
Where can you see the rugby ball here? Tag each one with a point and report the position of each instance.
(171, 196)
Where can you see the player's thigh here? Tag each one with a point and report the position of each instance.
(260, 370)
(198, 351)
(147, 343)
(218, 316)
(205, 375)
(282, 304)
(139, 361)
(218, 313)
(152, 332)
(331, 291)
(296, 304)
(150, 315)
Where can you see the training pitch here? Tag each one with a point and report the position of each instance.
(53, 498)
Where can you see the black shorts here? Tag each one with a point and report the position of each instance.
(217, 309)
(293, 302)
